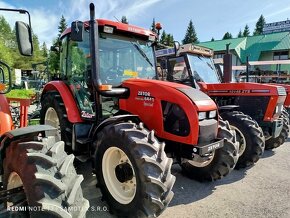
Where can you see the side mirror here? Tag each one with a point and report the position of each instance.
(77, 31)
(176, 47)
(24, 39)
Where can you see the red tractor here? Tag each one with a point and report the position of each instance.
(37, 176)
(242, 104)
(108, 108)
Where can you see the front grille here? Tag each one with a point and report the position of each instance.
(207, 130)
(281, 90)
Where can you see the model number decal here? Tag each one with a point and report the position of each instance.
(146, 98)
(240, 91)
(143, 93)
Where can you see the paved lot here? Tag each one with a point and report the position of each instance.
(259, 191)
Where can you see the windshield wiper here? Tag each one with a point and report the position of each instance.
(142, 53)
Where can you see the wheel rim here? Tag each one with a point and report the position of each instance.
(241, 139)
(123, 191)
(14, 181)
(199, 161)
(51, 119)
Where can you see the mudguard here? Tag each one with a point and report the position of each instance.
(21, 133)
(71, 108)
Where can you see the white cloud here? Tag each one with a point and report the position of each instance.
(110, 9)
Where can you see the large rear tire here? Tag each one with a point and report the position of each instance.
(249, 135)
(133, 171)
(48, 178)
(218, 164)
(53, 113)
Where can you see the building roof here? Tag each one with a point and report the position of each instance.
(252, 45)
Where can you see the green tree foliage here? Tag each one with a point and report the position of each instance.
(44, 50)
(246, 31)
(227, 36)
(54, 57)
(212, 39)
(190, 35)
(169, 40)
(240, 34)
(259, 25)
(163, 37)
(124, 20)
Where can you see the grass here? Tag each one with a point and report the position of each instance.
(21, 93)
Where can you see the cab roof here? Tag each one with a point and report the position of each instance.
(120, 27)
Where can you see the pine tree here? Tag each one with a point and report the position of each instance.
(246, 31)
(240, 34)
(62, 26)
(169, 40)
(124, 20)
(44, 50)
(153, 28)
(54, 57)
(212, 39)
(190, 35)
(259, 25)
(227, 36)
(163, 37)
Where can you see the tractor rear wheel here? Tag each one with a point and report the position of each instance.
(53, 113)
(48, 177)
(133, 171)
(249, 135)
(217, 164)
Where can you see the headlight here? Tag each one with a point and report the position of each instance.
(201, 115)
(212, 114)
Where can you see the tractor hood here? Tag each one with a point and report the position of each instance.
(245, 89)
(171, 109)
(171, 91)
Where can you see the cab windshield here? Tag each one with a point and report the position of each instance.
(122, 58)
(203, 69)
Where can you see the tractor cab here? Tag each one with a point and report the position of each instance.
(191, 64)
(124, 52)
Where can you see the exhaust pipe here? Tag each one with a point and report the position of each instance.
(227, 65)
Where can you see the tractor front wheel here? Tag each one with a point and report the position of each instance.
(217, 164)
(53, 113)
(45, 178)
(249, 135)
(133, 171)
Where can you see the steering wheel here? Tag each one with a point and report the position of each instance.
(114, 74)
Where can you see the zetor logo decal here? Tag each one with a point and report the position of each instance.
(146, 98)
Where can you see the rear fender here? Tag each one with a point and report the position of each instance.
(71, 108)
(23, 134)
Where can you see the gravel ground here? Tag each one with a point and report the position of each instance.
(259, 191)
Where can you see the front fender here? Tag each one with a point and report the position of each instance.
(116, 119)
(71, 108)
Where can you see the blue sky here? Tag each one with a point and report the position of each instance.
(210, 18)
